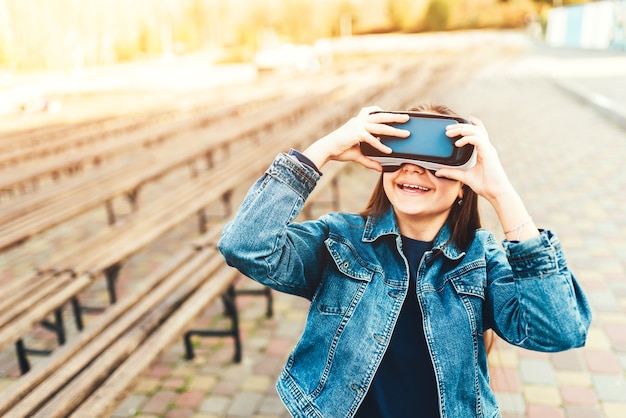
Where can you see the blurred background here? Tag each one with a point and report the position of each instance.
(75, 42)
(109, 93)
(71, 34)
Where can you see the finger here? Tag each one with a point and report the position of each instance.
(451, 173)
(475, 140)
(475, 121)
(375, 142)
(368, 110)
(461, 129)
(369, 163)
(387, 130)
(386, 117)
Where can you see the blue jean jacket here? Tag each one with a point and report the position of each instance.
(353, 271)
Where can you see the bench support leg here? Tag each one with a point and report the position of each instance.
(267, 292)
(78, 314)
(231, 310)
(22, 351)
(56, 326)
(110, 212)
(110, 273)
(22, 359)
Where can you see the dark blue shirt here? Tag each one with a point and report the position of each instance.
(404, 384)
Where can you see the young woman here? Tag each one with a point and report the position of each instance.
(403, 293)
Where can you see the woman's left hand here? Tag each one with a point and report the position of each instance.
(487, 178)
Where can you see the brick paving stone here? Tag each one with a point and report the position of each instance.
(614, 409)
(568, 360)
(536, 355)
(174, 383)
(511, 403)
(160, 370)
(202, 383)
(604, 300)
(215, 404)
(191, 399)
(272, 405)
(578, 395)
(503, 357)
(542, 395)
(617, 335)
(183, 369)
(542, 411)
(179, 413)
(597, 339)
(279, 347)
(576, 411)
(505, 379)
(147, 385)
(610, 388)
(536, 371)
(256, 383)
(226, 388)
(268, 366)
(601, 361)
(160, 402)
(573, 378)
(130, 406)
(245, 404)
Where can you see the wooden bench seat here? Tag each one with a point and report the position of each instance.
(74, 270)
(91, 374)
(135, 135)
(25, 218)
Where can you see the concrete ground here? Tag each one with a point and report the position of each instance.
(557, 119)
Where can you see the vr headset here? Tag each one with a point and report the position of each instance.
(427, 145)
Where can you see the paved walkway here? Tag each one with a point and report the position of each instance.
(565, 156)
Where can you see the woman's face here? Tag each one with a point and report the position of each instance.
(418, 196)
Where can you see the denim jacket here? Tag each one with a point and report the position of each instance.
(354, 272)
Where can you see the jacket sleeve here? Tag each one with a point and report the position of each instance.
(534, 300)
(263, 243)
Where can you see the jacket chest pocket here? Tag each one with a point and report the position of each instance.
(344, 281)
(469, 285)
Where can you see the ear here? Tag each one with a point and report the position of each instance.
(461, 191)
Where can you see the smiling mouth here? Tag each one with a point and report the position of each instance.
(412, 187)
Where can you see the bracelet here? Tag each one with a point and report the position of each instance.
(519, 228)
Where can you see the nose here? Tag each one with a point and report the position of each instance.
(413, 168)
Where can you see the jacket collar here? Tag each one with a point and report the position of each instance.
(387, 225)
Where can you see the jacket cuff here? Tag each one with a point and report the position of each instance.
(536, 257)
(298, 176)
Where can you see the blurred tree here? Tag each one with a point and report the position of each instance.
(436, 15)
(67, 34)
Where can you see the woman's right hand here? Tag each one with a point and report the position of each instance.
(343, 143)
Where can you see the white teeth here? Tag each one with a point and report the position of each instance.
(414, 186)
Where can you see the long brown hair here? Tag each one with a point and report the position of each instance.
(463, 219)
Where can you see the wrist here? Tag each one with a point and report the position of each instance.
(317, 154)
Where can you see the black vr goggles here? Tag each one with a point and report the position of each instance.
(427, 145)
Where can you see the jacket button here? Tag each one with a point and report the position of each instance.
(346, 264)
(378, 338)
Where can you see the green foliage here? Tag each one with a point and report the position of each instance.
(404, 15)
(437, 15)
